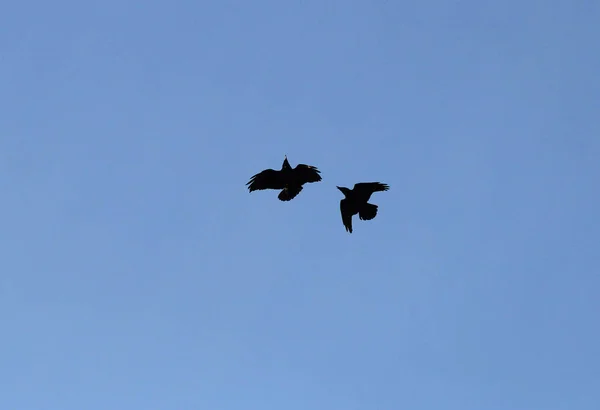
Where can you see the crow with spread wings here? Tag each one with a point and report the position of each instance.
(356, 202)
(288, 179)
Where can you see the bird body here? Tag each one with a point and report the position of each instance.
(356, 201)
(289, 180)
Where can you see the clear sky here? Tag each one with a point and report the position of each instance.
(137, 272)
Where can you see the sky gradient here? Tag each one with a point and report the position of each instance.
(137, 272)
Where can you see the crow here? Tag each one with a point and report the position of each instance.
(288, 179)
(356, 202)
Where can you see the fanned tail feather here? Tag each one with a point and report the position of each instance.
(367, 212)
(289, 193)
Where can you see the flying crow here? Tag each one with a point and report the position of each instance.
(288, 179)
(356, 202)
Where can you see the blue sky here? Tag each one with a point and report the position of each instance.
(137, 272)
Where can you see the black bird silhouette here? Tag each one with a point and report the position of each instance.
(288, 179)
(356, 202)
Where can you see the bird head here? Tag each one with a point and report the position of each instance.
(286, 164)
(344, 190)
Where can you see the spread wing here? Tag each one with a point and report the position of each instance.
(267, 179)
(366, 189)
(346, 215)
(306, 173)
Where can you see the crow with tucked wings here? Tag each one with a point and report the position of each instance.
(356, 201)
(288, 179)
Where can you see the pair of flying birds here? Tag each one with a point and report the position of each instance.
(290, 180)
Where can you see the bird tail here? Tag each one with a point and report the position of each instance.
(367, 212)
(289, 192)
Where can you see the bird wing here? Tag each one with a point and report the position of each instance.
(306, 173)
(346, 215)
(370, 187)
(267, 179)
